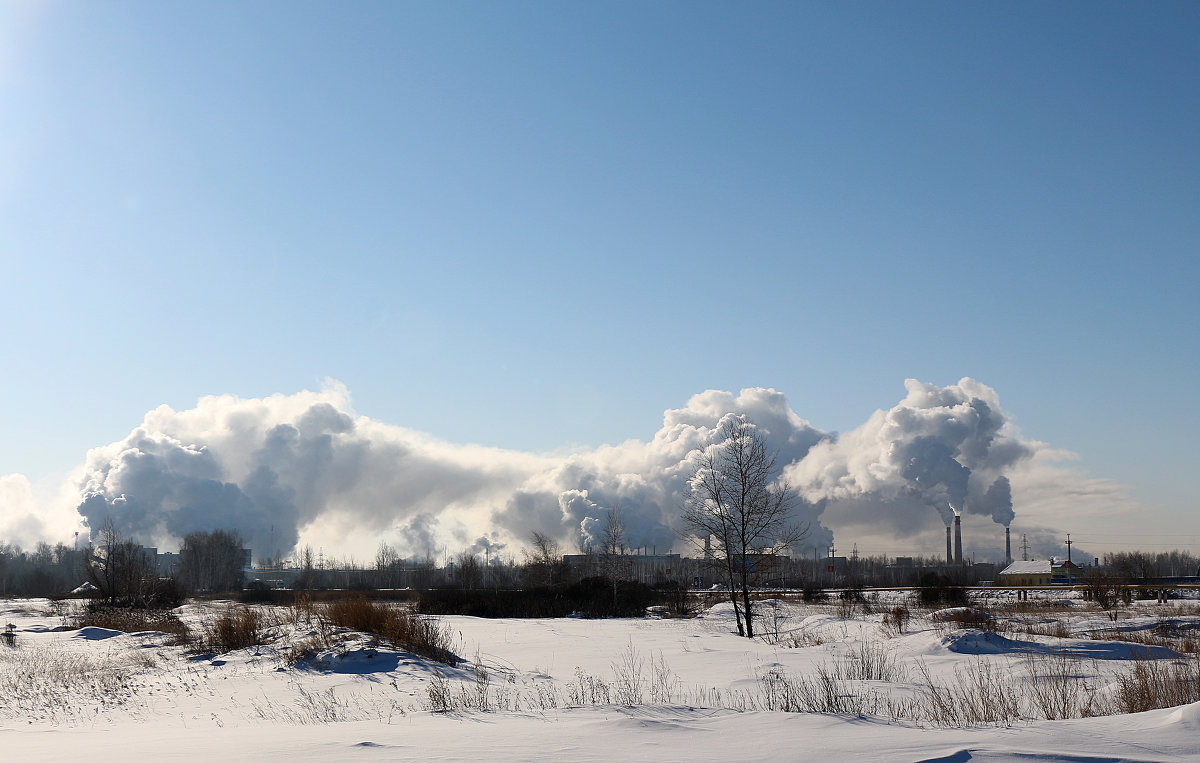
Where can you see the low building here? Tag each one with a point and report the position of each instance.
(1027, 573)
(1065, 572)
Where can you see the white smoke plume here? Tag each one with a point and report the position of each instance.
(945, 448)
(290, 469)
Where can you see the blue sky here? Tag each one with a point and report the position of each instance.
(538, 225)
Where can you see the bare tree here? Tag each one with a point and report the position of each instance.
(387, 566)
(614, 539)
(121, 570)
(470, 571)
(211, 561)
(734, 498)
(543, 561)
(308, 578)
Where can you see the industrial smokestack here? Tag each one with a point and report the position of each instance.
(957, 539)
(949, 552)
(1007, 548)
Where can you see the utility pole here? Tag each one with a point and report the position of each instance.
(1068, 557)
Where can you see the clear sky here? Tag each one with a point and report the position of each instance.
(539, 225)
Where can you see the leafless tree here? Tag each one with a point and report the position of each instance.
(735, 498)
(211, 561)
(387, 566)
(123, 573)
(470, 571)
(614, 539)
(543, 561)
(308, 578)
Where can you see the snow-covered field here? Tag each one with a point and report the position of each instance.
(635, 689)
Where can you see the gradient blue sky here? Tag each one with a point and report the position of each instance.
(538, 225)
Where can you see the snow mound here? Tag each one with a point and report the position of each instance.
(961, 615)
(1187, 716)
(92, 633)
(975, 641)
(363, 661)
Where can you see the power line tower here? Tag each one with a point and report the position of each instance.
(1024, 547)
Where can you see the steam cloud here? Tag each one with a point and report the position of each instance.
(284, 469)
(945, 448)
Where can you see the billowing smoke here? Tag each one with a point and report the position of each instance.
(645, 480)
(997, 502)
(943, 448)
(936, 476)
(305, 468)
(272, 468)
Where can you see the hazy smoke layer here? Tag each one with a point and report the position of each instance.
(305, 467)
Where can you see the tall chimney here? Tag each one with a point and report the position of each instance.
(949, 552)
(1007, 548)
(957, 540)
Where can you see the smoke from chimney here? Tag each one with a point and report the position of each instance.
(289, 469)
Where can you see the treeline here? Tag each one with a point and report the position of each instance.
(119, 570)
(1136, 565)
(122, 572)
(45, 571)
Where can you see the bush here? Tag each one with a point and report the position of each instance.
(1152, 684)
(936, 590)
(676, 598)
(895, 621)
(813, 593)
(99, 614)
(235, 628)
(401, 627)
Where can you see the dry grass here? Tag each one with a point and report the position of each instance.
(238, 627)
(397, 625)
(129, 620)
(1153, 684)
(58, 685)
(895, 621)
(1170, 634)
(1051, 628)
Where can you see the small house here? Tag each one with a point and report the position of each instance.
(1027, 573)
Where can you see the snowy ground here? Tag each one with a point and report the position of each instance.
(652, 689)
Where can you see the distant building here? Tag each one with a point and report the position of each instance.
(1041, 572)
(646, 568)
(1063, 571)
(168, 564)
(1027, 573)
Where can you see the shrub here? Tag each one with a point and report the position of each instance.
(676, 597)
(1151, 684)
(235, 628)
(895, 621)
(130, 620)
(936, 590)
(813, 593)
(401, 627)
